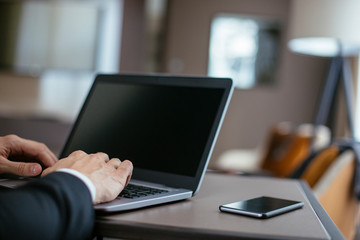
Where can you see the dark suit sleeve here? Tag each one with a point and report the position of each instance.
(57, 206)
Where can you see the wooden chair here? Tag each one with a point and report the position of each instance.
(335, 192)
(319, 164)
(289, 146)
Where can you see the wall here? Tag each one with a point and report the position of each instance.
(133, 45)
(251, 112)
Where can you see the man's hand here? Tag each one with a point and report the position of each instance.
(109, 176)
(24, 157)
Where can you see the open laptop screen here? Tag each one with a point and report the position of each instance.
(159, 127)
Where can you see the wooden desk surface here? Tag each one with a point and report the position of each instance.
(200, 217)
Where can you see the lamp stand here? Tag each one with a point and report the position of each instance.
(340, 70)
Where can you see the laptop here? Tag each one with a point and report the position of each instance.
(165, 125)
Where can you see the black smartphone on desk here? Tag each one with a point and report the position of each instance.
(261, 207)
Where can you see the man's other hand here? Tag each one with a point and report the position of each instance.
(24, 157)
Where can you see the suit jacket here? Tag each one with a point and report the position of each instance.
(58, 206)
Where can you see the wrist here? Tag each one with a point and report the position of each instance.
(89, 184)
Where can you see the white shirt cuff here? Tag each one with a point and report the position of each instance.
(83, 178)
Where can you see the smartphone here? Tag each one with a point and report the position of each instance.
(261, 207)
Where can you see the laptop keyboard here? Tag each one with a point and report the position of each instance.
(136, 191)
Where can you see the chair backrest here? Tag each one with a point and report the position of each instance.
(319, 164)
(335, 192)
(289, 146)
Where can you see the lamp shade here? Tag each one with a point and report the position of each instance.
(325, 27)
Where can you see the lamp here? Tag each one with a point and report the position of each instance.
(328, 28)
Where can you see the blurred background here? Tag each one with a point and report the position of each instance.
(51, 50)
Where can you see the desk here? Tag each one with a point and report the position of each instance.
(199, 217)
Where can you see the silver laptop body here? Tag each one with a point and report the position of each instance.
(166, 125)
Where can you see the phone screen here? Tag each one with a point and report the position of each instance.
(261, 207)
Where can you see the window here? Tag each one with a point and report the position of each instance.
(244, 49)
(62, 35)
(61, 44)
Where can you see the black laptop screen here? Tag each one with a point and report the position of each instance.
(161, 128)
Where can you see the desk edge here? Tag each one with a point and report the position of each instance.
(329, 225)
